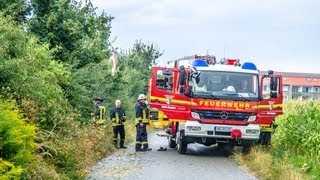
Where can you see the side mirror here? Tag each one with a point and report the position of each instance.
(182, 80)
(270, 72)
(197, 79)
(195, 74)
(274, 84)
(274, 87)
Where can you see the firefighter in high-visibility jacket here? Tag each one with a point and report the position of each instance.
(142, 120)
(118, 117)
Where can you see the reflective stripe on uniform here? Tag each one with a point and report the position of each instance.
(144, 116)
(138, 120)
(102, 110)
(115, 120)
(115, 124)
(143, 119)
(117, 116)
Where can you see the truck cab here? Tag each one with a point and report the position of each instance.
(209, 102)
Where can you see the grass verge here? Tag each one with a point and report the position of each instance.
(266, 166)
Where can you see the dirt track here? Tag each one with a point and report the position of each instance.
(200, 163)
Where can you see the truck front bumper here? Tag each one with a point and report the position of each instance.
(220, 131)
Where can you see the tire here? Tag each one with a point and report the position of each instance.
(266, 138)
(221, 145)
(171, 143)
(182, 146)
(226, 149)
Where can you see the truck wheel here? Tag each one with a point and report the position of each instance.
(266, 138)
(181, 144)
(221, 145)
(171, 143)
(226, 148)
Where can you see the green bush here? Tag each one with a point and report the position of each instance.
(299, 129)
(16, 141)
(9, 171)
(297, 137)
(53, 66)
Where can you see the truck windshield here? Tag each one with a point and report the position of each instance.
(226, 85)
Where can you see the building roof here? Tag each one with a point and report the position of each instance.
(293, 74)
(299, 79)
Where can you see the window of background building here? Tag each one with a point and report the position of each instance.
(285, 88)
(306, 89)
(295, 89)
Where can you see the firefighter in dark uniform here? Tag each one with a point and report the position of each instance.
(118, 117)
(142, 120)
(98, 105)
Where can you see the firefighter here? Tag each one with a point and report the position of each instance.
(99, 111)
(118, 117)
(98, 102)
(244, 86)
(142, 120)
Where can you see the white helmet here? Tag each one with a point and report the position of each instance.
(141, 96)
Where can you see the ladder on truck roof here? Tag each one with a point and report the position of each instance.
(209, 58)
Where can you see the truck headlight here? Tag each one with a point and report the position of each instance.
(195, 115)
(252, 118)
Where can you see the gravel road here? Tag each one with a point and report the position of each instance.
(200, 162)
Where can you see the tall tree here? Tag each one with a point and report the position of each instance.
(72, 28)
(17, 9)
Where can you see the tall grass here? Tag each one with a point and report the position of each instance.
(295, 151)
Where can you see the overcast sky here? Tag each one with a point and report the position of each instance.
(282, 35)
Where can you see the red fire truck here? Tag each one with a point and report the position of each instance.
(209, 102)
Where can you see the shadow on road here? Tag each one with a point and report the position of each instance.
(201, 150)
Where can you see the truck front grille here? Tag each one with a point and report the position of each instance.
(224, 115)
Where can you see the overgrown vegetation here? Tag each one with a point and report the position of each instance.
(295, 151)
(54, 60)
(16, 142)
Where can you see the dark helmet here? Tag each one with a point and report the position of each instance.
(98, 99)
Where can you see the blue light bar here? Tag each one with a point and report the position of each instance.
(199, 63)
(249, 66)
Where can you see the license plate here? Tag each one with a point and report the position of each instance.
(223, 129)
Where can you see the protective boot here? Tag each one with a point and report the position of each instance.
(146, 147)
(121, 144)
(138, 147)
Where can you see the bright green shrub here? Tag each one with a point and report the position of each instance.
(9, 171)
(16, 140)
(29, 72)
(297, 137)
(299, 129)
